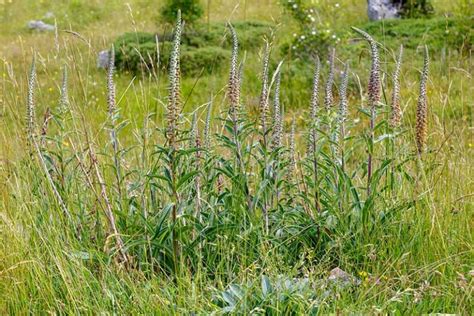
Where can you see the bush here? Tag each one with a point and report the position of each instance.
(204, 47)
(437, 32)
(312, 37)
(206, 59)
(137, 53)
(250, 34)
(417, 8)
(191, 11)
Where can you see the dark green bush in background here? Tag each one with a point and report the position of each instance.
(417, 8)
(205, 48)
(191, 11)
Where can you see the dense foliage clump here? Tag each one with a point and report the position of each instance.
(205, 48)
(190, 9)
(416, 8)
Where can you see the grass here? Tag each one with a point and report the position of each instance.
(255, 231)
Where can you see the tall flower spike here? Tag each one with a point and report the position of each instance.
(64, 97)
(374, 79)
(207, 127)
(263, 104)
(112, 106)
(234, 78)
(193, 131)
(277, 116)
(315, 91)
(328, 97)
(422, 106)
(292, 162)
(30, 116)
(396, 115)
(314, 105)
(340, 132)
(374, 96)
(174, 80)
(343, 94)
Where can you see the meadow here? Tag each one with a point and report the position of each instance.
(269, 182)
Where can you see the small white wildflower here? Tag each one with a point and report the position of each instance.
(334, 36)
(313, 32)
(295, 6)
(312, 19)
(294, 34)
(302, 37)
(337, 5)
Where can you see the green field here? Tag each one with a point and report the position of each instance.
(215, 200)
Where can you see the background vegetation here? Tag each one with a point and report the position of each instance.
(411, 254)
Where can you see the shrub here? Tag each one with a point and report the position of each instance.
(312, 37)
(250, 35)
(205, 59)
(203, 47)
(137, 52)
(438, 32)
(191, 11)
(416, 8)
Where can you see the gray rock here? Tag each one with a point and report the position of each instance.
(341, 278)
(39, 25)
(383, 9)
(103, 59)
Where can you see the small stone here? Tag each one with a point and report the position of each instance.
(341, 277)
(40, 26)
(103, 59)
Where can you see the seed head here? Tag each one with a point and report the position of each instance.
(396, 115)
(174, 82)
(343, 95)
(263, 104)
(112, 106)
(193, 131)
(64, 96)
(207, 127)
(234, 78)
(315, 91)
(277, 116)
(328, 97)
(30, 117)
(374, 79)
(422, 107)
(341, 118)
(314, 105)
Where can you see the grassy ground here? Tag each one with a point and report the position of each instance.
(415, 257)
